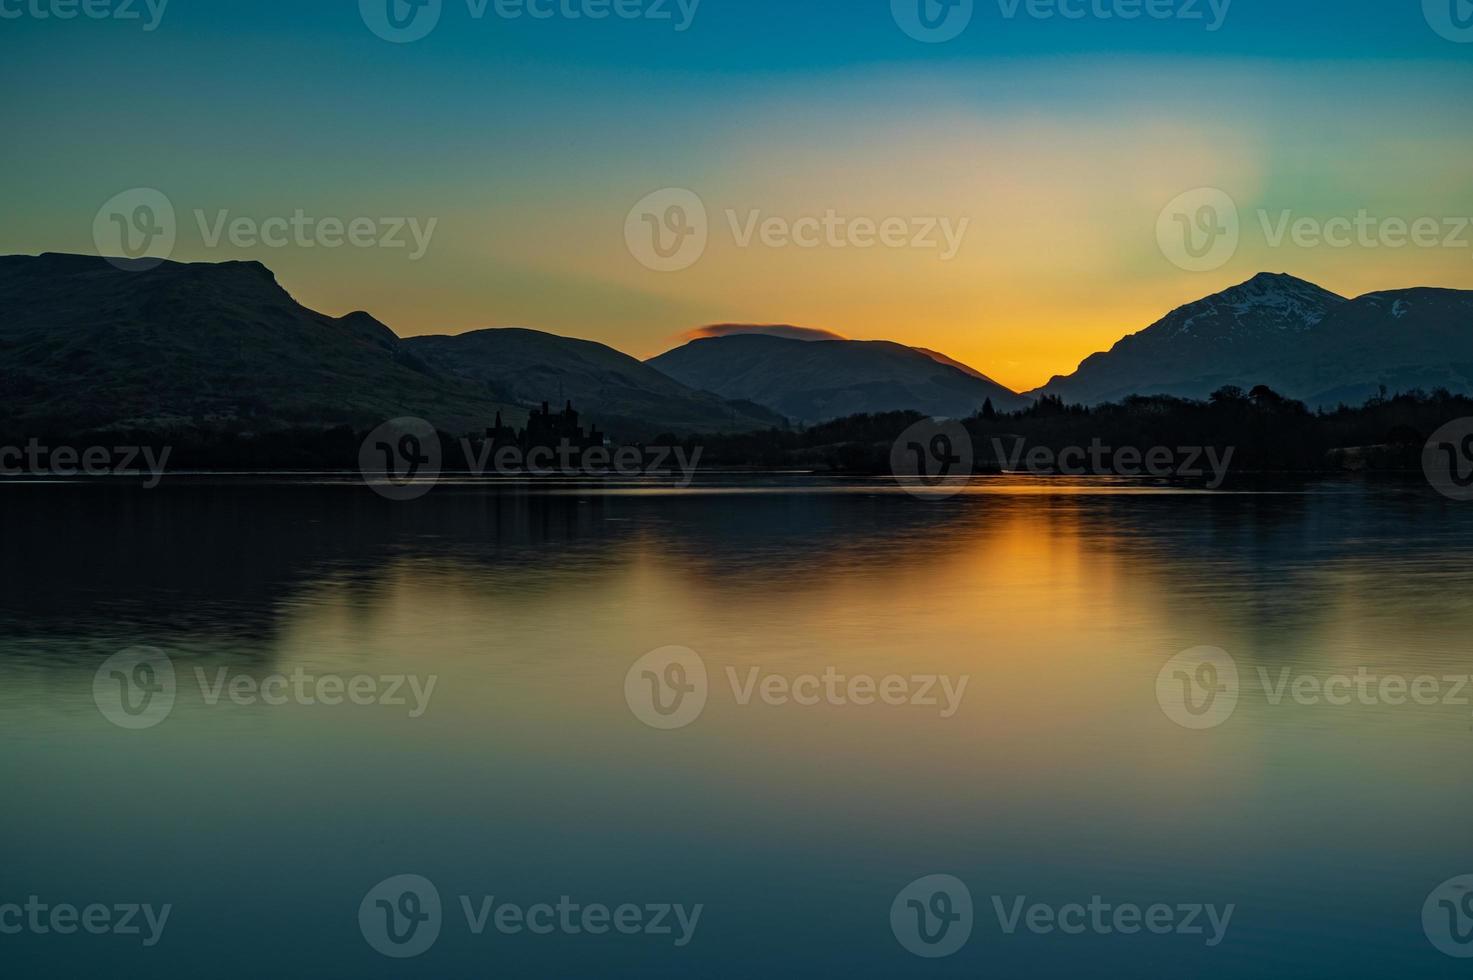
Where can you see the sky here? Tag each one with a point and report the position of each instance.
(1017, 187)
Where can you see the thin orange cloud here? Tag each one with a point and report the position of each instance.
(772, 329)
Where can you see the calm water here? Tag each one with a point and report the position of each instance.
(528, 776)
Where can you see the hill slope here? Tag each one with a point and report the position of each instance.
(623, 396)
(814, 381)
(1293, 336)
(1238, 336)
(87, 345)
(1403, 339)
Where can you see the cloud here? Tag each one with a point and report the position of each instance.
(771, 329)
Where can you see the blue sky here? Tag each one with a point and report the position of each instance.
(1059, 141)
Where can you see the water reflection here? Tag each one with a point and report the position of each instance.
(1060, 777)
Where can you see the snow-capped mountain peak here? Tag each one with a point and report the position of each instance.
(1268, 301)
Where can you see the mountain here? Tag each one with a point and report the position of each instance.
(941, 358)
(623, 396)
(814, 381)
(1301, 340)
(85, 344)
(1402, 339)
(1232, 337)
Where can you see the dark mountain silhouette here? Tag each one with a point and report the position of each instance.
(1227, 338)
(85, 344)
(1300, 340)
(222, 348)
(814, 381)
(626, 397)
(1402, 339)
(941, 358)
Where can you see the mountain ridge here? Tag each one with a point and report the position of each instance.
(1282, 331)
(88, 342)
(813, 381)
(93, 342)
(621, 393)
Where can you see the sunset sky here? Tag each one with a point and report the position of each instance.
(1058, 141)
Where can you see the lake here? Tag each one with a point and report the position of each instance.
(761, 726)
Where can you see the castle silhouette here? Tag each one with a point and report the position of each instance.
(546, 429)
